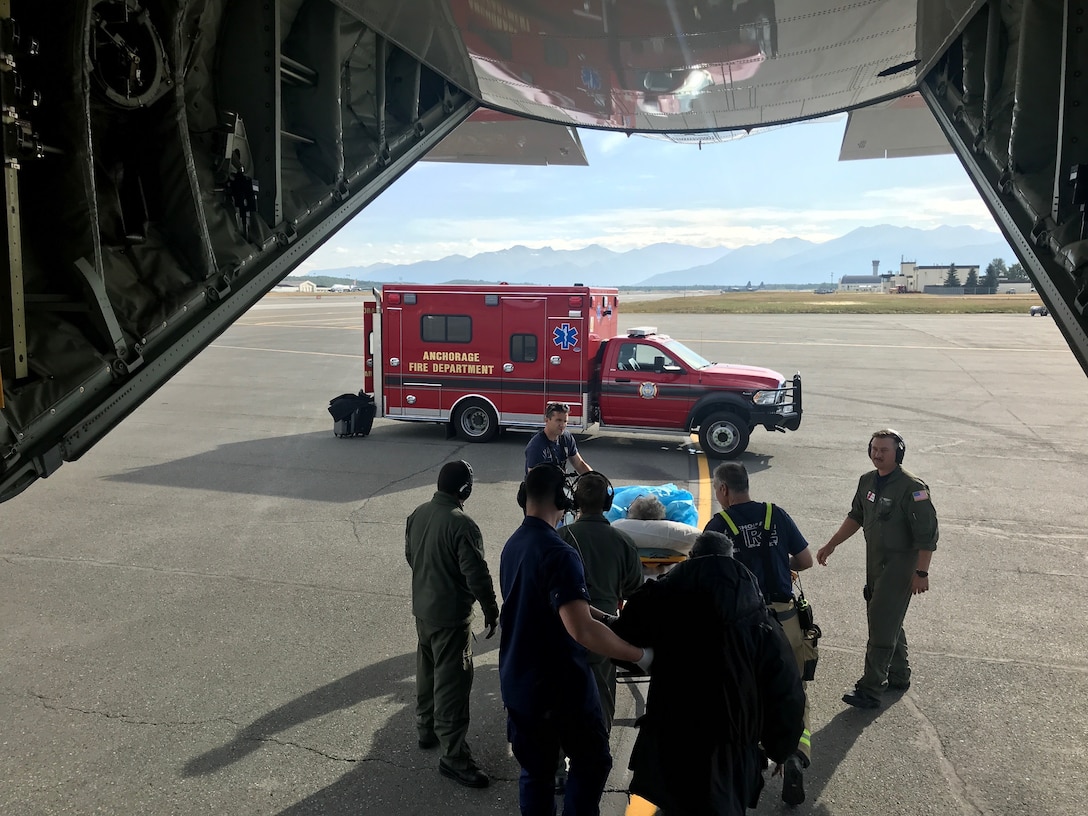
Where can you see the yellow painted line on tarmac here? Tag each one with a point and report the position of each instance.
(704, 504)
(639, 807)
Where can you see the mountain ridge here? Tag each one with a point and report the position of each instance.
(784, 261)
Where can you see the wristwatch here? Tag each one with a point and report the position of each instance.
(921, 573)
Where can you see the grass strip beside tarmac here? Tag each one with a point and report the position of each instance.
(792, 302)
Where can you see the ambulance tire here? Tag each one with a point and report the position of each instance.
(724, 435)
(475, 421)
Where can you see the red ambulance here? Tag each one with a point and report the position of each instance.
(483, 357)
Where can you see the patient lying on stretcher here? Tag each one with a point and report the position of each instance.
(661, 543)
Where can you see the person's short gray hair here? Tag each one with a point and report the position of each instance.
(733, 475)
(648, 507)
(711, 543)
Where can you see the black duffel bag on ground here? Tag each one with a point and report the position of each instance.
(352, 414)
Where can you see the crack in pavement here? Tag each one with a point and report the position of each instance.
(355, 523)
(51, 704)
(969, 798)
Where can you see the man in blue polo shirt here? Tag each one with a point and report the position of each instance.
(548, 689)
(555, 445)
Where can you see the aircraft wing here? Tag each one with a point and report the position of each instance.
(167, 162)
(896, 129)
(490, 137)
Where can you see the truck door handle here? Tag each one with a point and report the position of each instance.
(622, 379)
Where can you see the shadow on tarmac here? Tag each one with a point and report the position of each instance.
(831, 744)
(369, 683)
(277, 466)
(382, 775)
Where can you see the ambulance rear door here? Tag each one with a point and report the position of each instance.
(565, 348)
(392, 367)
(524, 373)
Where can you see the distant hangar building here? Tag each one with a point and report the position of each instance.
(909, 278)
(914, 278)
(861, 283)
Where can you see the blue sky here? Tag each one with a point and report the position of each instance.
(638, 191)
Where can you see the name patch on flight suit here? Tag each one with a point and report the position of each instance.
(870, 496)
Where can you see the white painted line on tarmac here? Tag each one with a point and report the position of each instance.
(355, 325)
(287, 351)
(898, 346)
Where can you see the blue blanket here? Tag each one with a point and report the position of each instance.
(679, 504)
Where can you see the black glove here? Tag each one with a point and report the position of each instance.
(491, 622)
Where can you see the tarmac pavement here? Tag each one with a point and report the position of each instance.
(209, 612)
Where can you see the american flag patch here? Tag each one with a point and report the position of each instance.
(920, 495)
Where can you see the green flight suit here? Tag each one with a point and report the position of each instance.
(898, 519)
(445, 550)
(613, 572)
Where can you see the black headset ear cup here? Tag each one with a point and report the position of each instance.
(564, 494)
(465, 490)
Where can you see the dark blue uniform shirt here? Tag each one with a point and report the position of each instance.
(541, 667)
(785, 540)
(541, 450)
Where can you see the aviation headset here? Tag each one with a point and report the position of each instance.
(465, 490)
(609, 491)
(564, 494)
(453, 472)
(900, 445)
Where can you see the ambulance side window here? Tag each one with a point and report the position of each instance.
(523, 348)
(446, 328)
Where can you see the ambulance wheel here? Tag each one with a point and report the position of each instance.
(475, 421)
(724, 435)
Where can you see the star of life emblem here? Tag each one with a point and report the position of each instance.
(565, 336)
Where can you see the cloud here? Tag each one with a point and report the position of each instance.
(637, 192)
(626, 228)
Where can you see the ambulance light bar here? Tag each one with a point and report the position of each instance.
(642, 331)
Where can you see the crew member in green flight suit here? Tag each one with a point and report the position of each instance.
(895, 510)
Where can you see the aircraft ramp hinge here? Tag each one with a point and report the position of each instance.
(1040, 231)
(1078, 177)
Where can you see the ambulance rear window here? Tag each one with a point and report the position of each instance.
(523, 348)
(446, 328)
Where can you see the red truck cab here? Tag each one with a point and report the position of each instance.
(651, 380)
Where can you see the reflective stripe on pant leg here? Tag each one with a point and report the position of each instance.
(792, 627)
